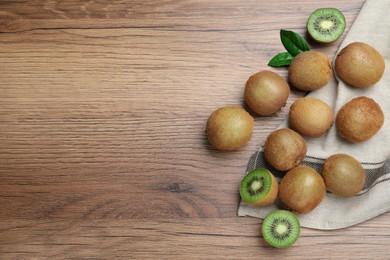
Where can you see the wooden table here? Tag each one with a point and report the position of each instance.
(103, 106)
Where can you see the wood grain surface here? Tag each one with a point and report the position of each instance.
(103, 107)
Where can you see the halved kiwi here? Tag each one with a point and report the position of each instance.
(259, 187)
(326, 25)
(281, 228)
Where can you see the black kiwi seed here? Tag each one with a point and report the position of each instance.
(281, 228)
(326, 25)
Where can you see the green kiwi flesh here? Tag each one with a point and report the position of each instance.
(259, 187)
(326, 25)
(281, 228)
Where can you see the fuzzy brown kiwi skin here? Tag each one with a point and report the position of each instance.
(271, 196)
(343, 175)
(310, 116)
(302, 189)
(284, 149)
(266, 92)
(360, 65)
(310, 70)
(359, 119)
(229, 128)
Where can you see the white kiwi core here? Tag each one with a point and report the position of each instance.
(256, 185)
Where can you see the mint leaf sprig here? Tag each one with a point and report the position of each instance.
(294, 44)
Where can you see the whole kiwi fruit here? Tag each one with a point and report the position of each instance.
(359, 119)
(259, 187)
(310, 116)
(302, 189)
(359, 65)
(229, 128)
(266, 92)
(343, 175)
(284, 149)
(310, 70)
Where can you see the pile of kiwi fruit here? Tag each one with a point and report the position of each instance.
(302, 188)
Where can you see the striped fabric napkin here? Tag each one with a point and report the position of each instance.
(371, 26)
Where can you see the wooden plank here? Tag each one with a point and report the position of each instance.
(201, 238)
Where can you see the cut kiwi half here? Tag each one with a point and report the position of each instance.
(281, 228)
(326, 25)
(259, 187)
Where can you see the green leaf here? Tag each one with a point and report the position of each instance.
(293, 42)
(281, 59)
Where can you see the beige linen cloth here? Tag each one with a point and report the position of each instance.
(371, 26)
